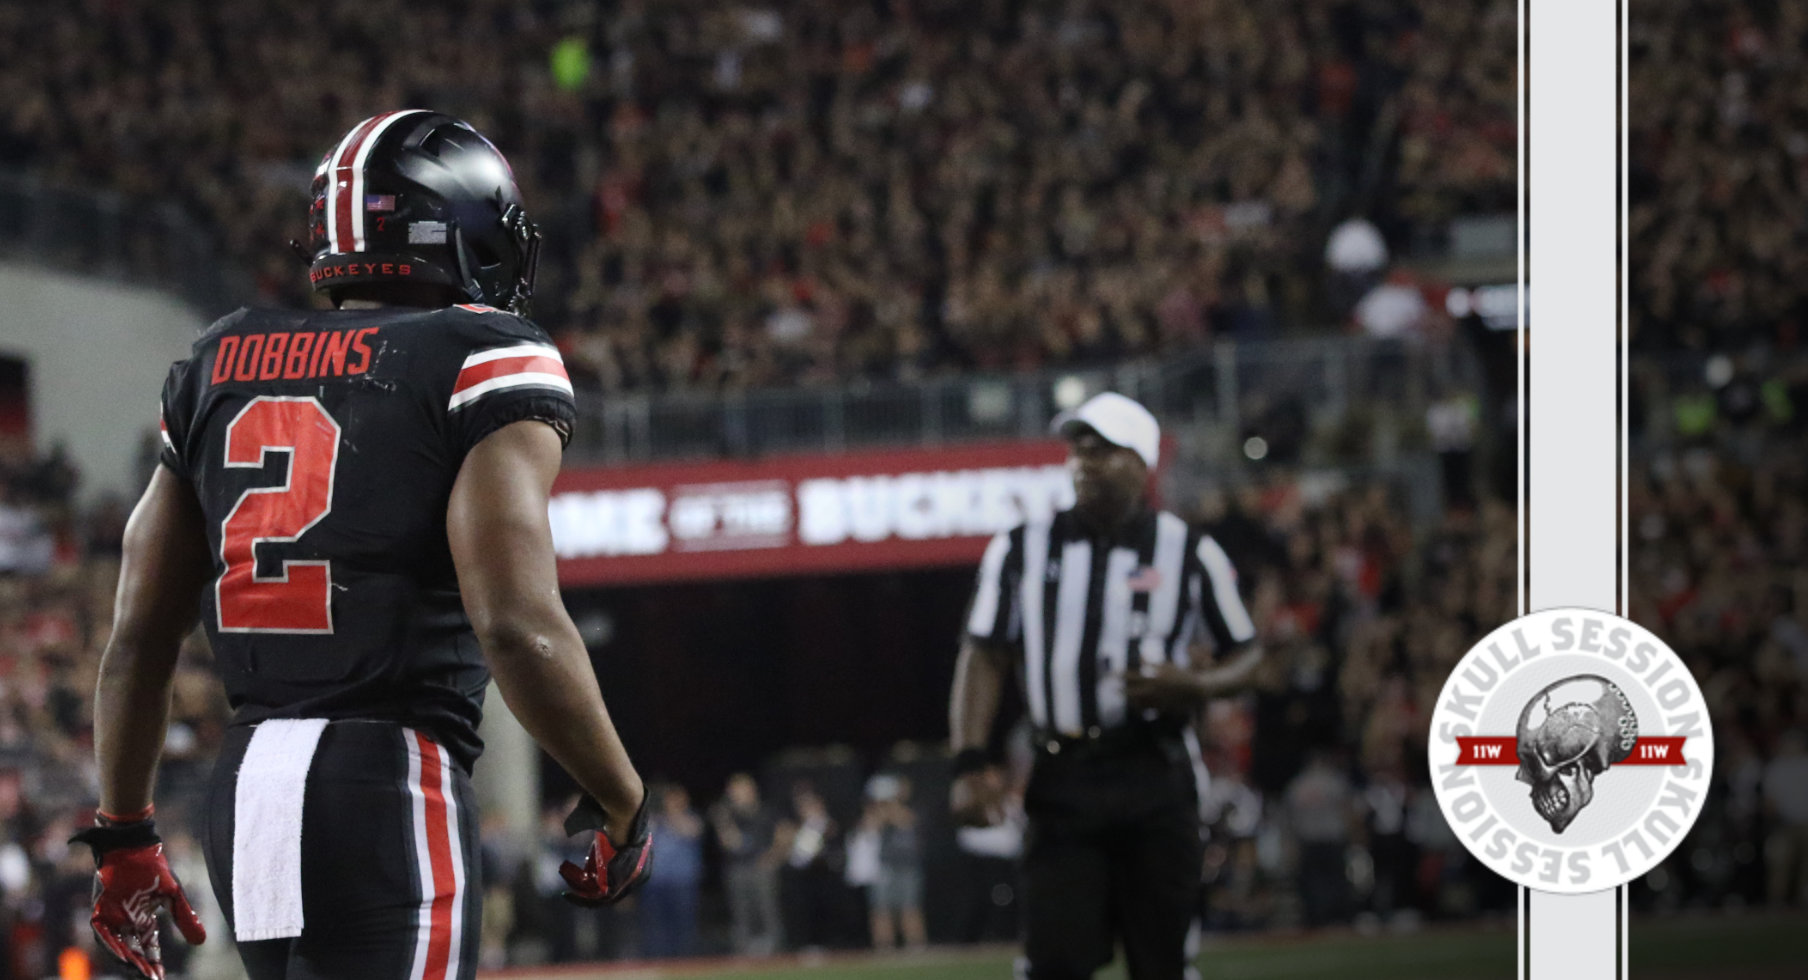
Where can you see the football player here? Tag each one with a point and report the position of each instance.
(354, 502)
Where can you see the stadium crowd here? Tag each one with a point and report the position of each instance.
(1718, 168)
(749, 195)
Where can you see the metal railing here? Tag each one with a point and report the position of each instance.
(1222, 389)
(103, 234)
(1226, 386)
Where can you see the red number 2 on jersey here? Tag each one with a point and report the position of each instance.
(299, 598)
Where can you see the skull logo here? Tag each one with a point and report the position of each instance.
(1570, 733)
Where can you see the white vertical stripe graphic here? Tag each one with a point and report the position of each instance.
(458, 860)
(1522, 239)
(423, 859)
(1519, 385)
(1624, 501)
(1114, 635)
(332, 188)
(1224, 589)
(1572, 497)
(1070, 629)
(985, 600)
(357, 188)
(1170, 564)
(1035, 565)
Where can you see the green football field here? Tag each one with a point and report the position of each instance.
(1734, 948)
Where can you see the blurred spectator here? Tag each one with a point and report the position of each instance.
(895, 896)
(26, 545)
(1786, 799)
(669, 899)
(1394, 857)
(557, 921)
(815, 898)
(744, 829)
(501, 860)
(1451, 422)
(1355, 255)
(1236, 885)
(1395, 309)
(1321, 806)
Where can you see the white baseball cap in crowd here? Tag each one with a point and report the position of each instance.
(1119, 420)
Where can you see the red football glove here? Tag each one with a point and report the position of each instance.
(610, 870)
(132, 882)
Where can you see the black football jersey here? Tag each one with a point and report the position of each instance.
(322, 446)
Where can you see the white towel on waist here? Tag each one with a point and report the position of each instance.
(266, 828)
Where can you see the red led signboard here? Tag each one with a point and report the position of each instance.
(798, 515)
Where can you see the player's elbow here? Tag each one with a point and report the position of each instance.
(515, 638)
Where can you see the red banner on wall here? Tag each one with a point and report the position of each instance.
(799, 514)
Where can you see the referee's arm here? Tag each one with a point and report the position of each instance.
(1230, 624)
(986, 659)
(977, 794)
(979, 678)
(1171, 687)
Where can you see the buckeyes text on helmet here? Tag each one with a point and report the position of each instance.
(418, 197)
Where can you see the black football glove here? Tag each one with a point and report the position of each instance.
(610, 870)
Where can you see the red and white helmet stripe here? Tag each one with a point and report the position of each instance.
(345, 184)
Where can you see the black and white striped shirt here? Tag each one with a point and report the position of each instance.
(1082, 610)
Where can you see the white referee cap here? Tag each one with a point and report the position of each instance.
(1118, 420)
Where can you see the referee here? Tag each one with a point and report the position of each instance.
(1094, 611)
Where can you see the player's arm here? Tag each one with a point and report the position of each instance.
(164, 567)
(502, 547)
(165, 564)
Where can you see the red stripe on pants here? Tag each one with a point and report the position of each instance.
(439, 855)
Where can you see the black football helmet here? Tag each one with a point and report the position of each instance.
(418, 196)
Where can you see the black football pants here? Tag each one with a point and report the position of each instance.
(1113, 855)
(390, 886)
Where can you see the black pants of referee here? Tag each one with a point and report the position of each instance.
(1113, 855)
(390, 877)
